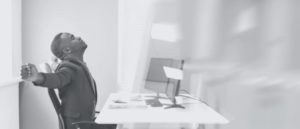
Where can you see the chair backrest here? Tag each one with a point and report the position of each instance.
(45, 67)
(56, 103)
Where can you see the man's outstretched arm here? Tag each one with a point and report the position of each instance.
(51, 80)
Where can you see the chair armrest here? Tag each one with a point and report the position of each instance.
(82, 122)
(96, 126)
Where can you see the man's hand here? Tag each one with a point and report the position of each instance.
(29, 72)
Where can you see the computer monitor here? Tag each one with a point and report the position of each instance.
(158, 82)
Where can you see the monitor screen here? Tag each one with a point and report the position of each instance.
(157, 81)
(156, 71)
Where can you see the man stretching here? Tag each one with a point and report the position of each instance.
(77, 88)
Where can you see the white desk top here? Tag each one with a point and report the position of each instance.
(136, 111)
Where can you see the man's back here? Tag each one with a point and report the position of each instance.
(78, 97)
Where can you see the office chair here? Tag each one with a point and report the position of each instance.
(56, 103)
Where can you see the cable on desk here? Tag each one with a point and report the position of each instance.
(192, 97)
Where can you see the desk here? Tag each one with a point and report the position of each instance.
(136, 111)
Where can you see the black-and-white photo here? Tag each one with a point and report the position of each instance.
(149, 64)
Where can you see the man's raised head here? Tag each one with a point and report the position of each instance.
(66, 44)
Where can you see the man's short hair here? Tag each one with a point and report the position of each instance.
(56, 46)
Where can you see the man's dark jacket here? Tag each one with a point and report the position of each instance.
(77, 89)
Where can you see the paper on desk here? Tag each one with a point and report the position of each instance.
(132, 105)
(173, 73)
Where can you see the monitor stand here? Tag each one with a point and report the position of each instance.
(155, 101)
(157, 96)
(175, 105)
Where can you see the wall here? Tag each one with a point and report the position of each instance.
(6, 34)
(167, 13)
(95, 21)
(135, 17)
(246, 59)
(9, 101)
(10, 55)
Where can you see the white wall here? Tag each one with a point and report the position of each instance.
(135, 17)
(6, 34)
(253, 94)
(10, 13)
(95, 21)
(167, 13)
(9, 101)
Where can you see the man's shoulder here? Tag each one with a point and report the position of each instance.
(68, 64)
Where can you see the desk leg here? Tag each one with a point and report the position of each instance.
(194, 126)
(125, 126)
(120, 126)
(141, 126)
(201, 126)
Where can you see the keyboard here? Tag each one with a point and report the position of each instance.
(153, 102)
